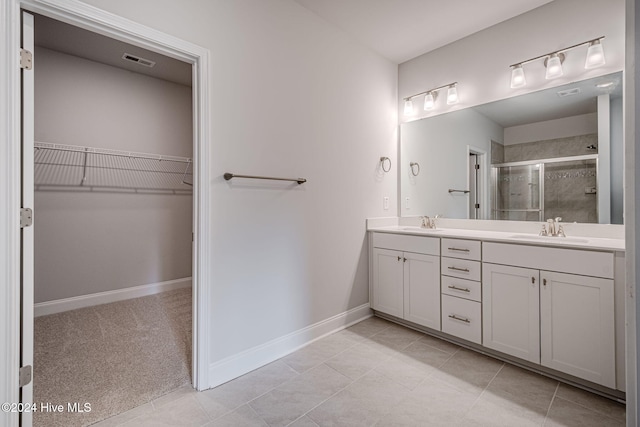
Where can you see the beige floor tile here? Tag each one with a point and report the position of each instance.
(318, 352)
(303, 422)
(357, 361)
(294, 398)
(229, 396)
(495, 413)
(361, 404)
(244, 416)
(185, 412)
(423, 355)
(431, 403)
(521, 389)
(468, 371)
(396, 337)
(440, 344)
(175, 395)
(592, 401)
(569, 414)
(370, 326)
(409, 375)
(120, 419)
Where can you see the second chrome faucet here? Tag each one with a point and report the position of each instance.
(554, 228)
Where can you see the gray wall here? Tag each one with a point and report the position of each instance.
(94, 242)
(617, 162)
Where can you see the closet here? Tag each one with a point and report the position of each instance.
(112, 223)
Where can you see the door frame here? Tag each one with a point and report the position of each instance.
(96, 20)
(483, 180)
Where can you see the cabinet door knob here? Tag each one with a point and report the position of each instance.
(399, 258)
(533, 279)
(405, 260)
(544, 282)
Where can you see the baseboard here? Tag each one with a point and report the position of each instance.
(66, 304)
(253, 358)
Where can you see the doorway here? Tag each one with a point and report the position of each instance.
(18, 343)
(477, 181)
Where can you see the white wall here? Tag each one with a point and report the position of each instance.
(480, 63)
(551, 129)
(291, 96)
(94, 242)
(439, 145)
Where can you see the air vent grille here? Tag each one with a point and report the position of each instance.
(569, 92)
(140, 61)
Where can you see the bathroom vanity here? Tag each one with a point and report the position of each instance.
(551, 304)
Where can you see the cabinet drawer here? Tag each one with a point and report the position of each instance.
(458, 248)
(576, 261)
(461, 268)
(462, 288)
(400, 242)
(462, 318)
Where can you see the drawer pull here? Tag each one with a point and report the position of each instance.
(459, 289)
(466, 270)
(462, 319)
(458, 249)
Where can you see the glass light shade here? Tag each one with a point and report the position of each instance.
(554, 67)
(408, 107)
(429, 101)
(517, 77)
(452, 95)
(595, 55)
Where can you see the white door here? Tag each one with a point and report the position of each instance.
(26, 356)
(387, 281)
(577, 326)
(510, 310)
(422, 289)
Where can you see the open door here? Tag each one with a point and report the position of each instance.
(26, 218)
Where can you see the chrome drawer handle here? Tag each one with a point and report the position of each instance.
(459, 289)
(466, 270)
(458, 249)
(462, 319)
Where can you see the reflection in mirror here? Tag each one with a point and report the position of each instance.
(552, 153)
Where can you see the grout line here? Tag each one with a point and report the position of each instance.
(553, 398)
(485, 389)
(590, 409)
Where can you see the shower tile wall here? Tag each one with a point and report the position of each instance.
(497, 152)
(566, 184)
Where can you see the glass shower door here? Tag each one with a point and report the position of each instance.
(518, 192)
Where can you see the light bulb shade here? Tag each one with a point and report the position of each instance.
(517, 77)
(595, 55)
(452, 95)
(429, 101)
(554, 67)
(408, 107)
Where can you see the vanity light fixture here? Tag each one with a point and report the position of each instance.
(553, 62)
(430, 97)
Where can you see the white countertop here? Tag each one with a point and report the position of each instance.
(592, 243)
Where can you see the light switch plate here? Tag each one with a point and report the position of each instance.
(385, 203)
(406, 203)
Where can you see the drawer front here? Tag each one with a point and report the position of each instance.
(399, 242)
(462, 268)
(576, 261)
(462, 318)
(462, 288)
(458, 248)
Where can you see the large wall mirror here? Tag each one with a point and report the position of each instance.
(552, 153)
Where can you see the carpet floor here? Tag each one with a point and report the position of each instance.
(114, 356)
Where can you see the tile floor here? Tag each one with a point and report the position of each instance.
(379, 373)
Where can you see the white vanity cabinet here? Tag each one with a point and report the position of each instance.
(562, 319)
(406, 278)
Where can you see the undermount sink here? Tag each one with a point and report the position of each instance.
(422, 230)
(549, 238)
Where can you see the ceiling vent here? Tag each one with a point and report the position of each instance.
(569, 92)
(138, 60)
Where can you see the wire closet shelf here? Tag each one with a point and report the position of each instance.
(60, 167)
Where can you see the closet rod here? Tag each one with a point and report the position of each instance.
(228, 176)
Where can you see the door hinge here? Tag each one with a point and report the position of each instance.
(26, 217)
(477, 167)
(26, 59)
(477, 205)
(24, 375)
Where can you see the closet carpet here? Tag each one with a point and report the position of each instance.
(114, 356)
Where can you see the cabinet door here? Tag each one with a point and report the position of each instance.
(387, 282)
(510, 311)
(422, 289)
(577, 326)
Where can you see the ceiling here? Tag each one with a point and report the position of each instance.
(65, 38)
(401, 30)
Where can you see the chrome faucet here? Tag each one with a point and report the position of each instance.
(427, 222)
(554, 228)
